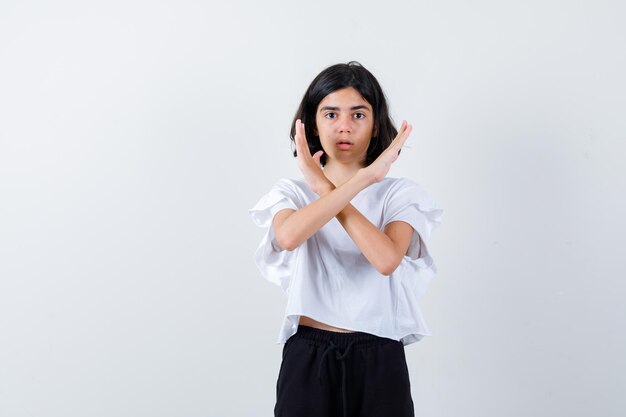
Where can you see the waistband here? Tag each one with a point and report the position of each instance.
(320, 337)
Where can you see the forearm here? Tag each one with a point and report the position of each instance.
(303, 223)
(374, 244)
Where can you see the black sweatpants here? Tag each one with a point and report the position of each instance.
(332, 374)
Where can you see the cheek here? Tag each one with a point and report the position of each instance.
(323, 130)
(318, 127)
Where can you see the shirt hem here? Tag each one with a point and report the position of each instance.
(290, 327)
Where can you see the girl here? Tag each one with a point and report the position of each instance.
(348, 246)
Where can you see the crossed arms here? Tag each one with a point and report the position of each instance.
(383, 249)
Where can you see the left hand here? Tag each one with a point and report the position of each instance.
(378, 169)
(310, 164)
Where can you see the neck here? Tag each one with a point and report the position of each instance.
(339, 173)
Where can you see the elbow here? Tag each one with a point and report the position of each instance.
(388, 268)
(286, 242)
(387, 265)
(289, 246)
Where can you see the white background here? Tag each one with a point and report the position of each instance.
(134, 136)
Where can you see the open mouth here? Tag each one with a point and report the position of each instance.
(344, 144)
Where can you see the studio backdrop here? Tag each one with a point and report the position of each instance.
(135, 135)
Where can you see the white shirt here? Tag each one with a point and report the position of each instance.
(327, 277)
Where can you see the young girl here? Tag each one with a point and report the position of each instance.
(348, 246)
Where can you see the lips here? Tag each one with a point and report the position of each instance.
(344, 144)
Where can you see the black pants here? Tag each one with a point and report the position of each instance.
(331, 374)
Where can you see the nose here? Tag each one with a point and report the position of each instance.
(345, 124)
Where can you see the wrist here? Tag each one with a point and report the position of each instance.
(362, 178)
(326, 188)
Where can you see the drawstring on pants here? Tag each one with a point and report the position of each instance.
(340, 357)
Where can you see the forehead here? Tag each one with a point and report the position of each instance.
(344, 98)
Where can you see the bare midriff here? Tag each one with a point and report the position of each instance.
(308, 321)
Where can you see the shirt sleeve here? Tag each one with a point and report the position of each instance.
(274, 263)
(409, 203)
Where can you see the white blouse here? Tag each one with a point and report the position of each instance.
(327, 277)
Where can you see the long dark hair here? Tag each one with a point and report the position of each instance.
(335, 78)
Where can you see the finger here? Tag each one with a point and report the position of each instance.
(402, 128)
(404, 134)
(305, 144)
(317, 156)
(406, 128)
(400, 138)
(404, 137)
(407, 132)
(398, 142)
(303, 148)
(299, 141)
(295, 129)
(401, 131)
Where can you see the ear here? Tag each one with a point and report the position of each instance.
(375, 131)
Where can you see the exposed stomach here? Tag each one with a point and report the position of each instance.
(308, 321)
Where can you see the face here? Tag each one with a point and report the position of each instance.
(345, 122)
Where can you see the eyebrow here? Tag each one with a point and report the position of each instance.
(359, 107)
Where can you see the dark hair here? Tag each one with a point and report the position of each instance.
(335, 78)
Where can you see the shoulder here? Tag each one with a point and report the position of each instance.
(295, 189)
(400, 185)
(403, 182)
(405, 190)
(291, 184)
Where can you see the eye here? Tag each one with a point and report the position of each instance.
(359, 115)
(330, 115)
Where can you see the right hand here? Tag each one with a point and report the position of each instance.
(310, 164)
(378, 169)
